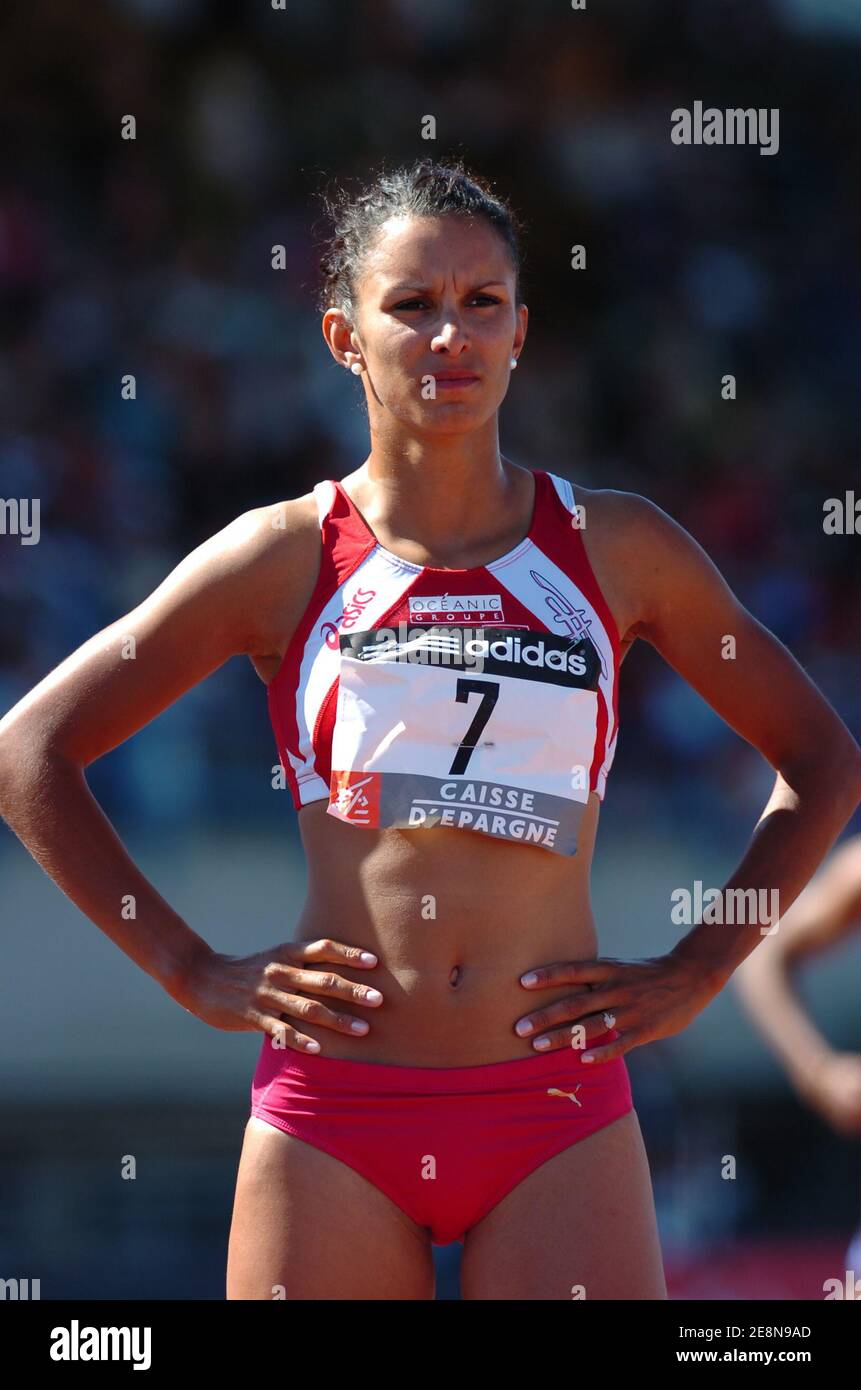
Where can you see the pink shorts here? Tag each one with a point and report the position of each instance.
(444, 1143)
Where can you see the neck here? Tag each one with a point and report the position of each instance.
(420, 488)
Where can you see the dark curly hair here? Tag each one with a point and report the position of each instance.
(426, 188)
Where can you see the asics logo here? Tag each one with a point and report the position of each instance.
(349, 617)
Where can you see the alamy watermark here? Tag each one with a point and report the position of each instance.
(730, 906)
(19, 516)
(755, 125)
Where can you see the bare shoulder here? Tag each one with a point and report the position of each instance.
(260, 571)
(280, 543)
(613, 529)
(646, 558)
(677, 599)
(279, 533)
(231, 595)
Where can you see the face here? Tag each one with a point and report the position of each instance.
(436, 298)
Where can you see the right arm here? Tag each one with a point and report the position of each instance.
(826, 912)
(227, 597)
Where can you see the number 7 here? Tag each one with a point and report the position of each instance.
(489, 691)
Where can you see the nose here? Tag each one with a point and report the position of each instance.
(449, 337)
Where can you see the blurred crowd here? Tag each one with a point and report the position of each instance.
(152, 258)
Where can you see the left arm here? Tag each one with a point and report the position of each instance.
(691, 616)
(756, 685)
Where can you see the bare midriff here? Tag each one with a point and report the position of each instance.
(454, 918)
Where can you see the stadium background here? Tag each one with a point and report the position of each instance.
(153, 257)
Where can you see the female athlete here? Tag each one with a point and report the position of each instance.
(441, 634)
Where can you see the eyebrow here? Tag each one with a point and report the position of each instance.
(424, 289)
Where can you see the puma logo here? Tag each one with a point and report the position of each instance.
(572, 1095)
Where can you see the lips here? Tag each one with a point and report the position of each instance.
(454, 381)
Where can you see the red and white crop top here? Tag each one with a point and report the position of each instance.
(485, 699)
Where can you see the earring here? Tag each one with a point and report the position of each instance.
(357, 368)
(514, 362)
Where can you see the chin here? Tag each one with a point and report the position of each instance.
(454, 422)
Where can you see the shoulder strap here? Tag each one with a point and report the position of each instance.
(564, 490)
(324, 494)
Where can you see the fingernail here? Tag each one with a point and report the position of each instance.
(374, 996)
(523, 1027)
(541, 1043)
(530, 979)
(588, 1057)
(368, 958)
(359, 1026)
(312, 1046)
